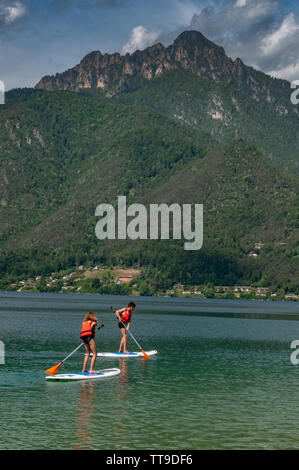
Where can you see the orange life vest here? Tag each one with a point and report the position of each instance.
(86, 329)
(126, 316)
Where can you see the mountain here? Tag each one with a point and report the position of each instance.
(181, 124)
(194, 81)
(191, 51)
(63, 153)
(225, 112)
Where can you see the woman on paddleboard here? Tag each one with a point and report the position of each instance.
(124, 318)
(87, 336)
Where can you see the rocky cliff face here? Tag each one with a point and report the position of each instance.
(191, 51)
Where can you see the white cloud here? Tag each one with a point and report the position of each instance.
(240, 3)
(257, 31)
(140, 39)
(286, 30)
(244, 21)
(11, 11)
(185, 11)
(290, 72)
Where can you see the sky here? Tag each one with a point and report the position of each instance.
(43, 37)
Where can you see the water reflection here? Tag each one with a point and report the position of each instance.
(121, 403)
(84, 411)
(123, 377)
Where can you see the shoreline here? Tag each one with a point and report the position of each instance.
(161, 296)
(47, 301)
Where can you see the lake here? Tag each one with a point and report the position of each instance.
(222, 378)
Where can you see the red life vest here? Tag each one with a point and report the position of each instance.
(86, 329)
(126, 316)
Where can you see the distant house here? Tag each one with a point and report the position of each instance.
(262, 291)
(243, 289)
(179, 286)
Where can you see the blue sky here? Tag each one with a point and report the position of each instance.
(43, 37)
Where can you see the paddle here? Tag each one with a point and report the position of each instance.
(53, 370)
(146, 356)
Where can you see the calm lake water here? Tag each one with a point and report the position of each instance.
(222, 378)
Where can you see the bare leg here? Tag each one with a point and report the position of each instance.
(87, 349)
(125, 343)
(93, 348)
(123, 340)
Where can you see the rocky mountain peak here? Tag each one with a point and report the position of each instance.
(193, 39)
(191, 51)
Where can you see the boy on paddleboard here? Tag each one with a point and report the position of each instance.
(124, 318)
(87, 336)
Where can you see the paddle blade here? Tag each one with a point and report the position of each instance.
(146, 356)
(53, 370)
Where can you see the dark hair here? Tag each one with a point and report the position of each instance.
(131, 304)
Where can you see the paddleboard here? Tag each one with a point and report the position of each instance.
(130, 354)
(101, 374)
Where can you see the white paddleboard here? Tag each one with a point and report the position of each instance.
(130, 354)
(101, 374)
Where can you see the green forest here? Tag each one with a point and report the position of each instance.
(63, 153)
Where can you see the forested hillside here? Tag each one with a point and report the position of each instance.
(63, 153)
(182, 124)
